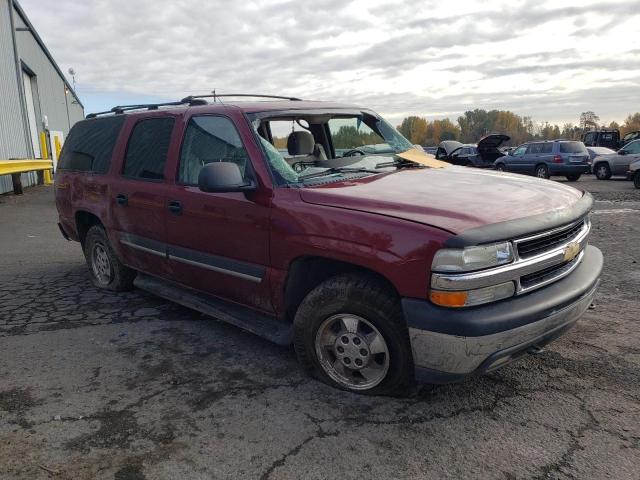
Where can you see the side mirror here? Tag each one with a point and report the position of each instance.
(223, 177)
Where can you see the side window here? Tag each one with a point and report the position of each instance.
(534, 148)
(518, 152)
(588, 138)
(633, 147)
(546, 148)
(147, 149)
(90, 145)
(210, 139)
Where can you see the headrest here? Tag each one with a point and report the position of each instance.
(300, 143)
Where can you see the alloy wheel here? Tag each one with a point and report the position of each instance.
(100, 264)
(352, 351)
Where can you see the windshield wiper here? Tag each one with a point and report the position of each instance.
(333, 170)
(400, 164)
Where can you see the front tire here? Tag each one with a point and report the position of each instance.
(349, 332)
(542, 171)
(500, 167)
(105, 269)
(636, 179)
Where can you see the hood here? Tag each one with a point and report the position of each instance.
(452, 198)
(450, 145)
(492, 142)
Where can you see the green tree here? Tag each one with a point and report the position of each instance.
(414, 129)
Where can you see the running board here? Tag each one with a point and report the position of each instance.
(255, 322)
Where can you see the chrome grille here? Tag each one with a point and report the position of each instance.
(532, 246)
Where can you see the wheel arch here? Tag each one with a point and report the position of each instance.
(84, 221)
(307, 272)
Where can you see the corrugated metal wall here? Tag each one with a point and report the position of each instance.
(13, 140)
(54, 102)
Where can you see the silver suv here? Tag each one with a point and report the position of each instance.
(606, 166)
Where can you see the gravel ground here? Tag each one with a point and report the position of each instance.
(129, 386)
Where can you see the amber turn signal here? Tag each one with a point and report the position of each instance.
(449, 299)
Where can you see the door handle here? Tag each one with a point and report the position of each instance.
(175, 207)
(121, 199)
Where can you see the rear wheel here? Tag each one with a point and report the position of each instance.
(105, 269)
(574, 177)
(350, 333)
(636, 179)
(602, 171)
(542, 171)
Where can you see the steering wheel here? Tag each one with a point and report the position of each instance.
(352, 152)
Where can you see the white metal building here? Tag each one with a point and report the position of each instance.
(34, 93)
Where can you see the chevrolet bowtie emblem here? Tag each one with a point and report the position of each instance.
(571, 251)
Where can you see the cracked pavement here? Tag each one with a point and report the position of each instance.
(128, 386)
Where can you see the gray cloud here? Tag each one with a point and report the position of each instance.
(400, 57)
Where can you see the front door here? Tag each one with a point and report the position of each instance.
(139, 196)
(218, 242)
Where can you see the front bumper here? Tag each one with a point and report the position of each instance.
(449, 344)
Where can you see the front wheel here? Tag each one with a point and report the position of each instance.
(602, 171)
(636, 179)
(350, 333)
(500, 167)
(542, 171)
(574, 177)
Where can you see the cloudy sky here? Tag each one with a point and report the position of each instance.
(549, 60)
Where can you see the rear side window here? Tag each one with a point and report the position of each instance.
(546, 148)
(90, 143)
(147, 149)
(210, 139)
(572, 147)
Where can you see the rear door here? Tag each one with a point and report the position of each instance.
(139, 195)
(219, 242)
(620, 163)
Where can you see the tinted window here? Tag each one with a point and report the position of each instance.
(519, 151)
(534, 148)
(588, 138)
(546, 148)
(147, 149)
(90, 144)
(572, 147)
(210, 139)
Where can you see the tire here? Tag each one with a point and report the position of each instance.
(469, 164)
(602, 171)
(574, 178)
(105, 269)
(501, 167)
(355, 312)
(636, 179)
(542, 171)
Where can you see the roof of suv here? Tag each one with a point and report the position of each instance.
(203, 106)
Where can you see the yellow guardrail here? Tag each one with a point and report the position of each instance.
(16, 167)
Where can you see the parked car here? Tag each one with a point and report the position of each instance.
(609, 138)
(445, 148)
(543, 159)
(597, 151)
(379, 268)
(430, 150)
(616, 163)
(481, 155)
(634, 173)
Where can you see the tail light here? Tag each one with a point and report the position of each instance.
(557, 159)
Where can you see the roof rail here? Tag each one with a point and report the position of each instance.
(214, 95)
(192, 100)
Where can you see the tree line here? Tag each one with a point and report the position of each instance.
(474, 124)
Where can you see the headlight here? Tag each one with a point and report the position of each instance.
(472, 258)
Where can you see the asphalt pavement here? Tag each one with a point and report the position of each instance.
(128, 386)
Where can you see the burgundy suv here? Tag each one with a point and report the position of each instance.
(317, 224)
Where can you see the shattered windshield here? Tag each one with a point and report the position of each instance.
(308, 148)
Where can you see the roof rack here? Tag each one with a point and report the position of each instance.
(191, 100)
(215, 95)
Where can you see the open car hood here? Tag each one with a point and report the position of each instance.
(450, 145)
(492, 142)
(452, 198)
